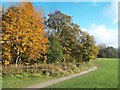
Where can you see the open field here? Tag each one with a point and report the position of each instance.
(106, 76)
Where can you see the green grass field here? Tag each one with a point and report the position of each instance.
(9, 82)
(106, 76)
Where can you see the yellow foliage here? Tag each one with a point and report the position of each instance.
(6, 62)
(24, 32)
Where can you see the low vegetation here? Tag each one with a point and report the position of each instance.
(39, 73)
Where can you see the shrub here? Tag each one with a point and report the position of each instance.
(45, 70)
(12, 69)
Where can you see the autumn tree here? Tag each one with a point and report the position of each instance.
(23, 34)
(61, 25)
(76, 44)
(89, 49)
(68, 38)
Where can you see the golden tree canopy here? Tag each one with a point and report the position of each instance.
(23, 33)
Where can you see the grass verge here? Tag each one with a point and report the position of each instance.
(22, 76)
(106, 76)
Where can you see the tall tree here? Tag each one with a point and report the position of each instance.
(23, 34)
(72, 39)
(61, 25)
(89, 49)
(55, 53)
(57, 21)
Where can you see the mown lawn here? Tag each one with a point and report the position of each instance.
(106, 76)
(22, 82)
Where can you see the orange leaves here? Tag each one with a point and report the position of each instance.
(4, 38)
(24, 32)
(6, 56)
(6, 62)
(23, 44)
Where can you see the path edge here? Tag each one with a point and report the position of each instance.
(58, 80)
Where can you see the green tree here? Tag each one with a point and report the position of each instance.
(76, 44)
(89, 49)
(55, 53)
(107, 52)
(62, 26)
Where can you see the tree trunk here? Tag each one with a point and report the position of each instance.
(18, 56)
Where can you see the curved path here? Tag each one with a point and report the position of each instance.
(54, 81)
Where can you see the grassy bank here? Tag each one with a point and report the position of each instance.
(21, 82)
(106, 76)
(22, 76)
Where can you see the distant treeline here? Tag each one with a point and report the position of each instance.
(107, 52)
